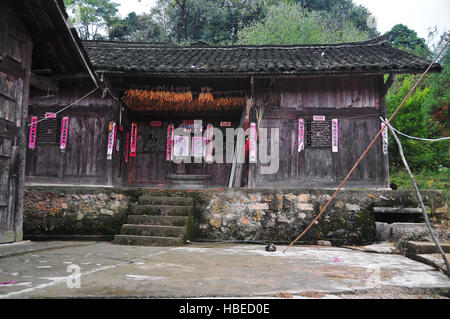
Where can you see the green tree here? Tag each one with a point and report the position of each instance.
(92, 17)
(136, 28)
(292, 24)
(425, 114)
(211, 21)
(401, 37)
(346, 9)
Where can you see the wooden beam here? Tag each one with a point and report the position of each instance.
(388, 83)
(43, 83)
(42, 71)
(69, 76)
(48, 36)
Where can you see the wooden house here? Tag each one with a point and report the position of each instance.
(325, 101)
(99, 113)
(36, 47)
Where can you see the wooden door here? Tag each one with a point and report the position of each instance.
(15, 60)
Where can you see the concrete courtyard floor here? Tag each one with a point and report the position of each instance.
(40, 270)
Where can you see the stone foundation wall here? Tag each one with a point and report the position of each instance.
(281, 215)
(75, 211)
(277, 215)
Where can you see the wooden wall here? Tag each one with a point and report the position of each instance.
(15, 69)
(151, 167)
(84, 160)
(355, 101)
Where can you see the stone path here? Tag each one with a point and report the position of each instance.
(205, 271)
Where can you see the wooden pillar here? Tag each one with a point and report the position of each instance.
(22, 148)
(382, 89)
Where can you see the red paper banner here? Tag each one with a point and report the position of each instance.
(169, 149)
(126, 147)
(64, 133)
(33, 128)
(133, 140)
(318, 118)
(335, 135)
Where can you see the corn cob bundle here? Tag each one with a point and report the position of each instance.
(161, 99)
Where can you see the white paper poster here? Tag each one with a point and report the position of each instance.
(252, 150)
(198, 146)
(111, 140)
(301, 135)
(384, 135)
(181, 146)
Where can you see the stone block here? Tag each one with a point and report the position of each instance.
(383, 231)
(258, 206)
(353, 207)
(302, 206)
(291, 197)
(303, 198)
(106, 212)
(408, 229)
(325, 243)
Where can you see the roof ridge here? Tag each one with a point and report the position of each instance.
(374, 41)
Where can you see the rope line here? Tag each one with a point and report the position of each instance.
(368, 148)
(420, 138)
(65, 108)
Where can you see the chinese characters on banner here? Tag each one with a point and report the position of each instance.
(50, 115)
(111, 140)
(181, 146)
(169, 151)
(133, 140)
(335, 135)
(384, 135)
(64, 133)
(301, 135)
(33, 127)
(126, 147)
(319, 118)
(209, 143)
(198, 146)
(252, 150)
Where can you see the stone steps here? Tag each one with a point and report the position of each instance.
(153, 230)
(147, 240)
(168, 201)
(161, 210)
(156, 221)
(189, 177)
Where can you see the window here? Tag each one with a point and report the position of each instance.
(318, 133)
(48, 131)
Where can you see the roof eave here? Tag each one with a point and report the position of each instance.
(262, 74)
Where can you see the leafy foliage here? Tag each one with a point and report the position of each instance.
(91, 17)
(425, 114)
(292, 24)
(136, 28)
(406, 39)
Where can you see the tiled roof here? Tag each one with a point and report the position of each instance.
(373, 56)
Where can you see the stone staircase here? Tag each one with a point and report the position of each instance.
(392, 223)
(191, 181)
(156, 221)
